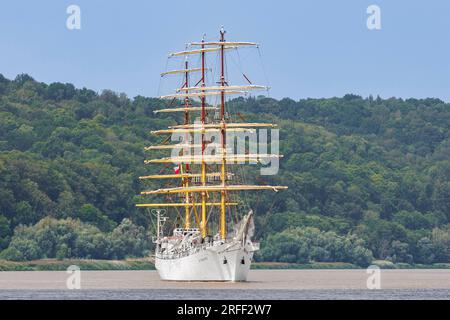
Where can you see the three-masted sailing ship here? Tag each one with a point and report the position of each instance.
(211, 236)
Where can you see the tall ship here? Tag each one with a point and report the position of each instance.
(203, 231)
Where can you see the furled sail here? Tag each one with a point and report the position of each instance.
(226, 43)
(185, 204)
(241, 87)
(213, 188)
(196, 51)
(223, 125)
(198, 130)
(179, 146)
(200, 94)
(183, 175)
(190, 109)
(180, 71)
(231, 159)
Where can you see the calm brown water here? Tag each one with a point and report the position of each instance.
(262, 284)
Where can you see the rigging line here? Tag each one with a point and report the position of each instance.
(246, 78)
(183, 66)
(206, 73)
(194, 209)
(166, 140)
(264, 70)
(198, 64)
(214, 99)
(178, 217)
(226, 69)
(241, 172)
(164, 169)
(151, 219)
(271, 207)
(241, 169)
(211, 209)
(216, 68)
(198, 82)
(161, 79)
(239, 66)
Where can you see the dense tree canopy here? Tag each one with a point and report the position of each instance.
(368, 178)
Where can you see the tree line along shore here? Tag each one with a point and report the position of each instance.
(368, 178)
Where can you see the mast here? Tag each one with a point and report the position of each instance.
(203, 166)
(187, 218)
(223, 208)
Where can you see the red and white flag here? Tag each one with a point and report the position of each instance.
(176, 169)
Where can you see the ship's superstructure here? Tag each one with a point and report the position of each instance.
(211, 235)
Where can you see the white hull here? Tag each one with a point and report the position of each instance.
(224, 262)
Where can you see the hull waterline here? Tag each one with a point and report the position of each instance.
(208, 264)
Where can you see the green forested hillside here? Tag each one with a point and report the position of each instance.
(368, 178)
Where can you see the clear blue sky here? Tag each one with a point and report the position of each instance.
(313, 48)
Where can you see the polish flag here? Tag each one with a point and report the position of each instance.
(176, 169)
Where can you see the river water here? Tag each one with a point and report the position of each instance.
(262, 284)
(224, 294)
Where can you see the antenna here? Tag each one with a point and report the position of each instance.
(160, 220)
